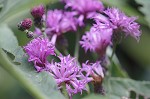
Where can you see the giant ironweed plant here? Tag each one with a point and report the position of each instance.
(98, 30)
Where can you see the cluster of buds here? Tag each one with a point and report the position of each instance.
(25, 25)
(37, 13)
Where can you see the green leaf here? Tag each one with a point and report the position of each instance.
(40, 85)
(95, 96)
(7, 39)
(145, 8)
(121, 89)
(11, 9)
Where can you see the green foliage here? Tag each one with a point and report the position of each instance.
(121, 89)
(7, 39)
(95, 96)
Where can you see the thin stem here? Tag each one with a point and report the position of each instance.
(114, 49)
(66, 52)
(110, 68)
(76, 53)
(57, 51)
(43, 32)
(64, 91)
(111, 59)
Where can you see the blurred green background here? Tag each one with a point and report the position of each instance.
(134, 57)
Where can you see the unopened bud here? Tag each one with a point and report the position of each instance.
(30, 34)
(38, 11)
(25, 24)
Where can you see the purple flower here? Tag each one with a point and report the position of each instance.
(38, 11)
(119, 22)
(68, 72)
(96, 40)
(38, 50)
(25, 24)
(93, 69)
(59, 22)
(85, 7)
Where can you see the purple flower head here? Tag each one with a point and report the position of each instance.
(93, 69)
(120, 22)
(96, 40)
(38, 50)
(25, 24)
(85, 7)
(38, 11)
(68, 72)
(59, 22)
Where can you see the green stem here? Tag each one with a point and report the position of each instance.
(110, 68)
(10, 67)
(43, 32)
(114, 49)
(57, 52)
(64, 91)
(76, 53)
(66, 52)
(111, 59)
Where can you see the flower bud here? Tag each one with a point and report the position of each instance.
(38, 11)
(25, 24)
(30, 34)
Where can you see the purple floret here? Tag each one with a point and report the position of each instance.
(38, 50)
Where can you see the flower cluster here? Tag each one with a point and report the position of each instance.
(109, 27)
(67, 71)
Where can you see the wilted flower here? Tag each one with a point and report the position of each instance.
(85, 7)
(25, 24)
(96, 40)
(93, 69)
(68, 72)
(38, 50)
(119, 22)
(38, 11)
(59, 22)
